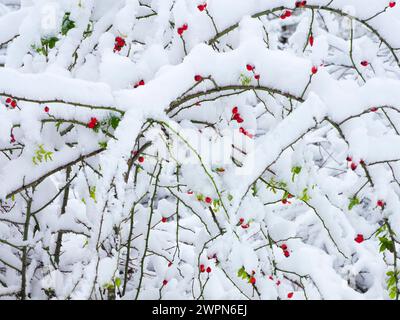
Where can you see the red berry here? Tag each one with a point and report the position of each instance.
(392, 4)
(92, 123)
(252, 280)
(208, 200)
(164, 220)
(349, 159)
(359, 238)
(13, 103)
(290, 295)
(185, 27)
(374, 109)
(284, 201)
(286, 253)
(245, 226)
(180, 31)
(249, 67)
(271, 278)
(380, 203)
(284, 247)
(238, 118)
(119, 42)
(364, 63)
(198, 78)
(353, 166)
(235, 110)
(288, 13)
(8, 101)
(300, 4)
(46, 109)
(311, 40)
(141, 83)
(208, 270)
(169, 264)
(241, 220)
(278, 282)
(257, 77)
(314, 70)
(12, 138)
(202, 7)
(141, 159)
(165, 282)
(202, 268)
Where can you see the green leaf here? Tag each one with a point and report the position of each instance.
(117, 282)
(353, 202)
(67, 24)
(103, 144)
(254, 189)
(52, 42)
(241, 271)
(305, 197)
(92, 191)
(245, 81)
(114, 122)
(295, 171)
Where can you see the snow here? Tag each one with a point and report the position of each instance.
(148, 151)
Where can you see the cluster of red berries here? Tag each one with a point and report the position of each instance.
(353, 165)
(203, 269)
(92, 123)
(236, 115)
(286, 201)
(119, 44)
(242, 224)
(359, 238)
(300, 4)
(286, 252)
(238, 118)
(182, 29)
(286, 14)
(202, 7)
(252, 68)
(138, 84)
(392, 4)
(11, 103)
